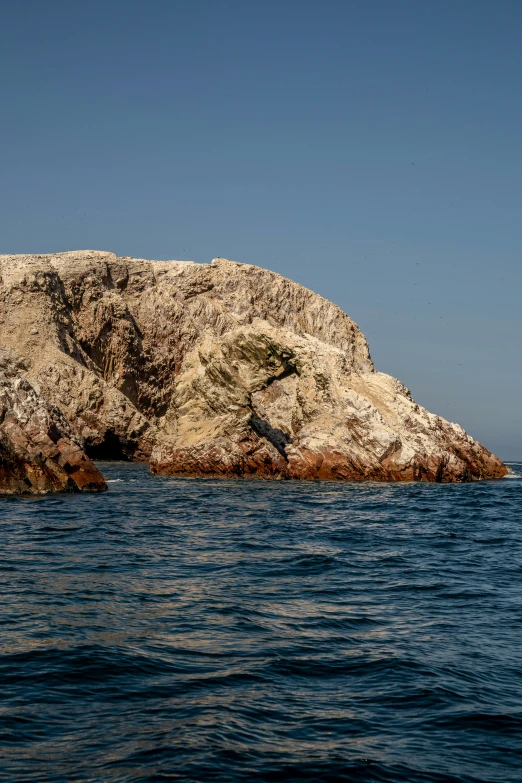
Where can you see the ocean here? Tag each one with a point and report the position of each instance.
(204, 630)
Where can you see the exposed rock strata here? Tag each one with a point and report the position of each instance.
(263, 401)
(37, 451)
(220, 369)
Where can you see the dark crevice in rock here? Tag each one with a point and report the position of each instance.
(54, 433)
(290, 369)
(111, 448)
(275, 436)
(440, 471)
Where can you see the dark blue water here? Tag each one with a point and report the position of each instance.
(262, 631)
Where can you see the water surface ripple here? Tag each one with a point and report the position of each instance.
(177, 630)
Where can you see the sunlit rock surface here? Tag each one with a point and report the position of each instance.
(219, 369)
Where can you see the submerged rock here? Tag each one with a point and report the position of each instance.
(219, 369)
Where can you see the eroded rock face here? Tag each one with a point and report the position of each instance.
(263, 401)
(37, 451)
(223, 369)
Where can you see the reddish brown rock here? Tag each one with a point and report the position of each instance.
(37, 451)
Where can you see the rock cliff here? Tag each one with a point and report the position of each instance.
(219, 369)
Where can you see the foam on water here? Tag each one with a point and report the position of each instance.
(262, 631)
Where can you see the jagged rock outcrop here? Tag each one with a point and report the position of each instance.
(37, 451)
(263, 401)
(218, 369)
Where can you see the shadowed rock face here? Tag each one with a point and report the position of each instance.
(222, 369)
(37, 451)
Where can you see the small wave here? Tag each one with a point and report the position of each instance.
(196, 630)
(340, 623)
(502, 723)
(346, 667)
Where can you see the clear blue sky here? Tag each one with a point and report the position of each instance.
(368, 149)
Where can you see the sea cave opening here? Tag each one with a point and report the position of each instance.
(109, 449)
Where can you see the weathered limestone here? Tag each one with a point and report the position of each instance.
(222, 369)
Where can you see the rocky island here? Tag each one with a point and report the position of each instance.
(220, 369)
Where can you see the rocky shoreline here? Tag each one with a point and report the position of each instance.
(220, 369)
(38, 452)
